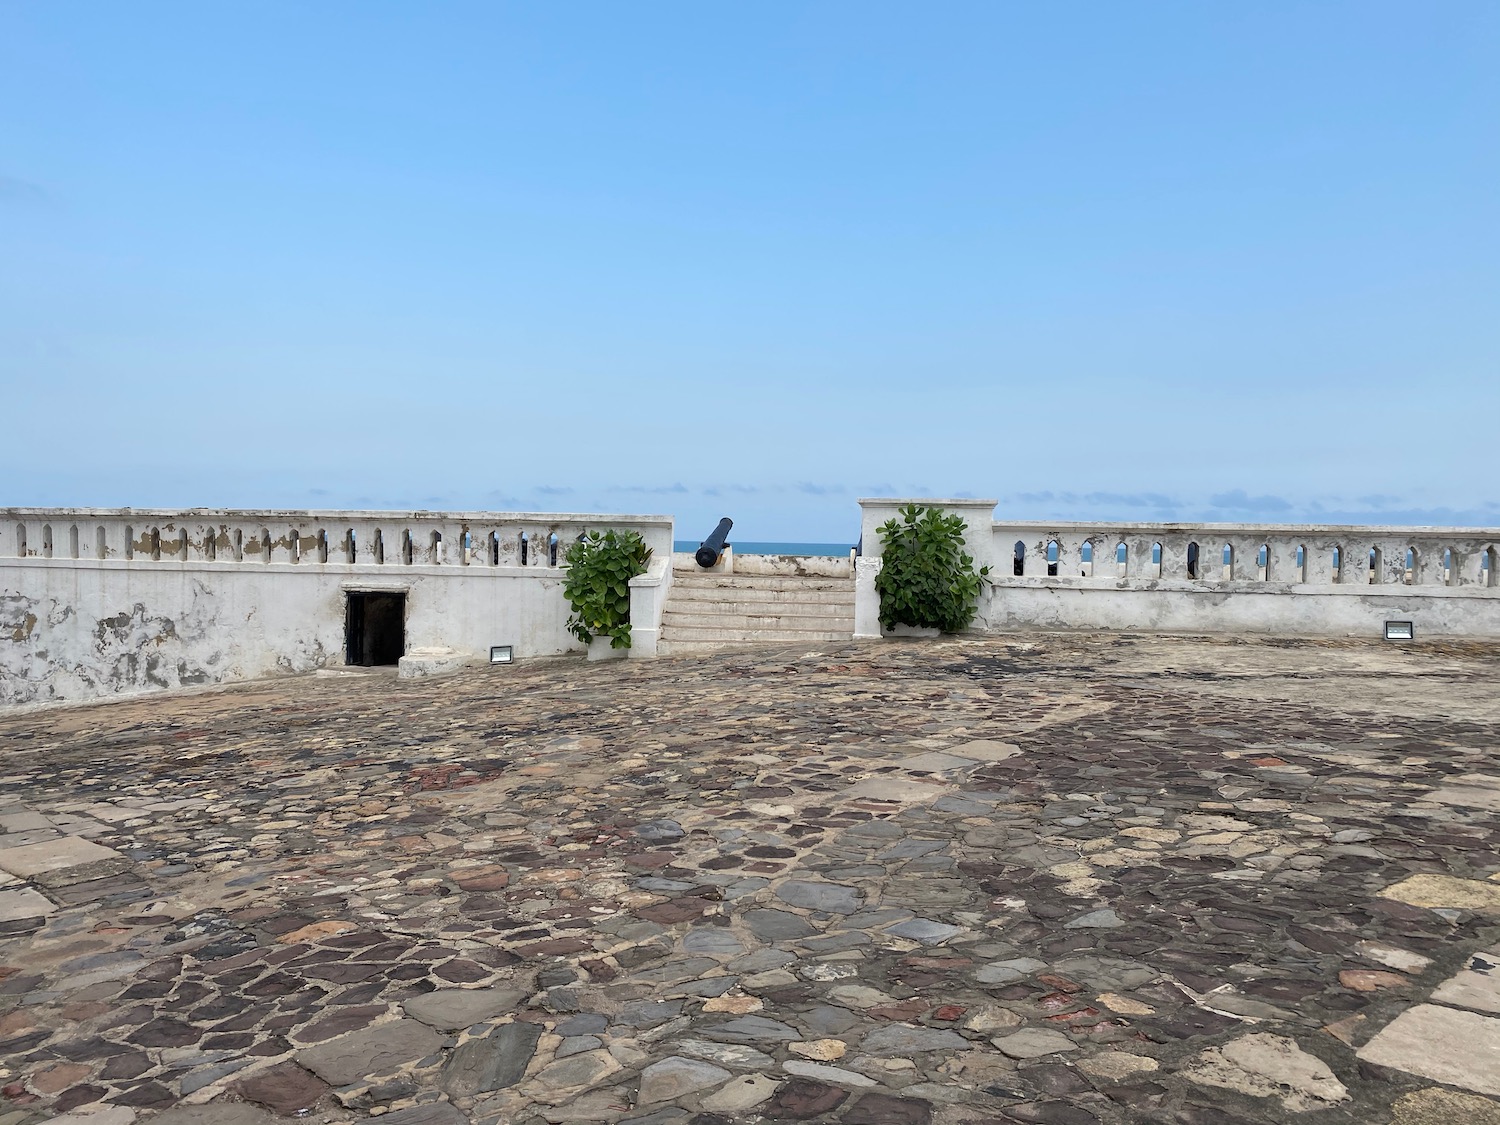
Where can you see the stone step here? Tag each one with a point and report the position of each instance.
(713, 634)
(842, 607)
(747, 594)
(824, 622)
(679, 647)
(758, 582)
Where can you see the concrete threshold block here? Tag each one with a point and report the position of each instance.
(421, 662)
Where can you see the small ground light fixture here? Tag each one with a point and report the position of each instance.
(504, 654)
(1399, 631)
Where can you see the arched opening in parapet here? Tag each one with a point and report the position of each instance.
(1230, 564)
(379, 546)
(46, 540)
(73, 542)
(552, 549)
(1088, 555)
(20, 540)
(465, 548)
(1263, 562)
(1489, 565)
(239, 545)
(1018, 561)
(1412, 558)
(525, 549)
(1299, 566)
(322, 545)
(494, 549)
(351, 547)
(1194, 569)
(129, 542)
(182, 545)
(374, 628)
(436, 547)
(294, 546)
(210, 546)
(1156, 560)
(101, 542)
(1377, 564)
(1336, 564)
(406, 551)
(155, 544)
(1122, 559)
(265, 545)
(1448, 566)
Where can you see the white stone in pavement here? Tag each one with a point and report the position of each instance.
(935, 761)
(1446, 892)
(1473, 790)
(1477, 986)
(675, 1076)
(745, 1092)
(904, 790)
(24, 903)
(835, 1074)
(53, 855)
(26, 821)
(1392, 957)
(109, 1115)
(1264, 1065)
(1444, 1044)
(985, 750)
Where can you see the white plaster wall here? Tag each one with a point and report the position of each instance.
(1274, 608)
(79, 629)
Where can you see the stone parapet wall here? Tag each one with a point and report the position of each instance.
(1293, 579)
(96, 603)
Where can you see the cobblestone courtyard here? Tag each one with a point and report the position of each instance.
(1056, 879)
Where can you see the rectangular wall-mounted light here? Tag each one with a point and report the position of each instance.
(501, 654)
(1399, 631)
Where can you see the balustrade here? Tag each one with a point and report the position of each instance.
(1312, 555)
(313, 538)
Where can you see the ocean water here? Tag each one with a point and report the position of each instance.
(838, 550)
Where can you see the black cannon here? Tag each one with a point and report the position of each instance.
(712, 547)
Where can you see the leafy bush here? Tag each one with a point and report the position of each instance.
(926, 579)
(600, 568)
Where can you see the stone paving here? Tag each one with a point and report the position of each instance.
(1068, 880)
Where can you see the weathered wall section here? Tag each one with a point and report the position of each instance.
(96, 603)
(1296, 580)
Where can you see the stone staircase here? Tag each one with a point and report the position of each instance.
(707, 610)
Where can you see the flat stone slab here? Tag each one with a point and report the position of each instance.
(832, 898)
(675, 1077)
(1445, 1044)
(985, 750)
(1263, 1066)
(901, 790)
(31, 860)
(371, 1052)
(1436, 1106)
(24, 903)
(449, 1009)
(218, 1113)
(1477, 986)
(1439, 892)
(495, 1062)
(1033, 1043)
(1474, 791)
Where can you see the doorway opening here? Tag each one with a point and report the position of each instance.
(375, 628)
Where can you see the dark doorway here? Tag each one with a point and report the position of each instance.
(375, 629)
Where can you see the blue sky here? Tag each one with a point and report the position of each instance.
(1097, 260)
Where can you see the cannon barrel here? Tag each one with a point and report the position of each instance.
(712, 547)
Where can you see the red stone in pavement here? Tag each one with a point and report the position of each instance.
(286, 1089)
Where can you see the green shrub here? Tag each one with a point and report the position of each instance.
(926, 579)
(600, 568)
